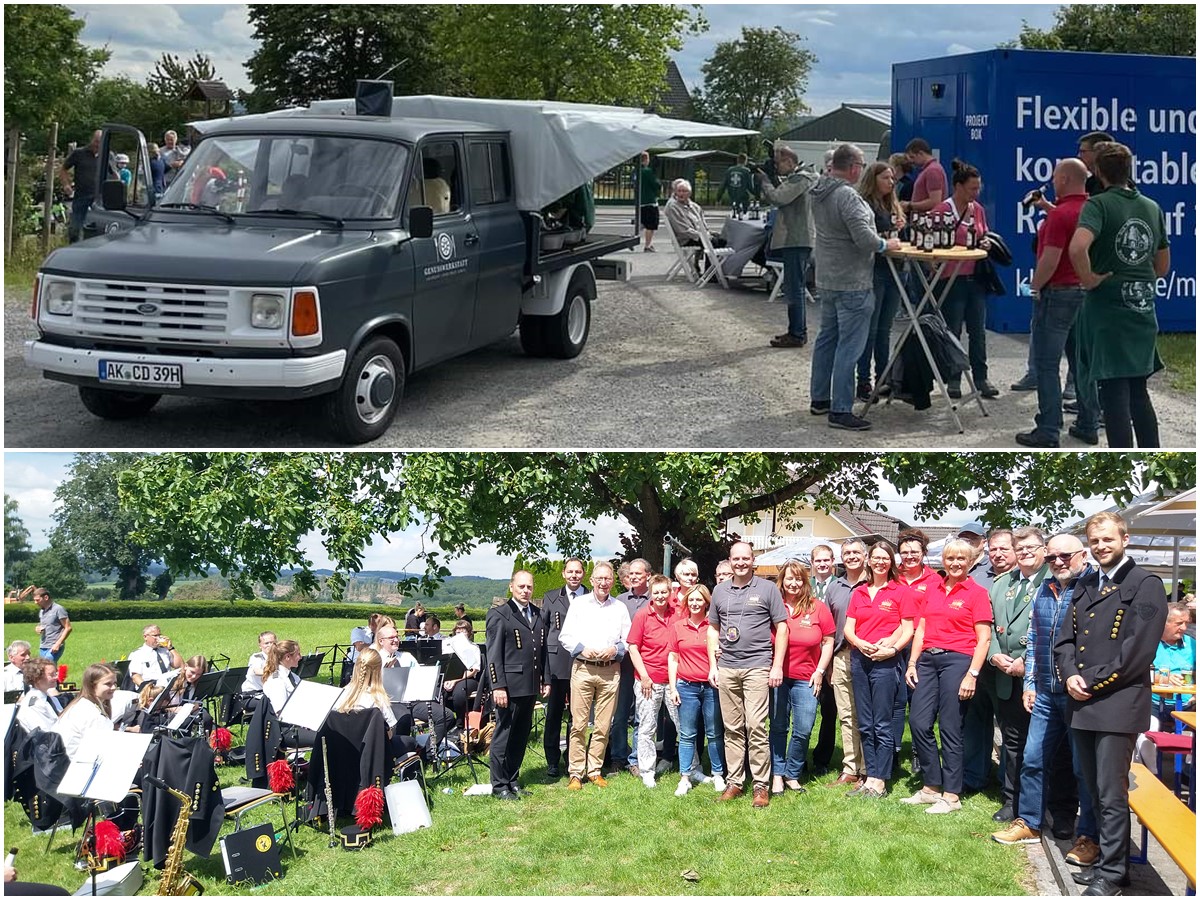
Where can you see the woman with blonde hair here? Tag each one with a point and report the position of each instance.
(809, 652)
(877, 187)
(366, 691)
(90, 712)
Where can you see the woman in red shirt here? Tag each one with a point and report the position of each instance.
(809, 651)
(694, 691)
(879, 624)
(648, 642)
(949, 648)
(913, 544)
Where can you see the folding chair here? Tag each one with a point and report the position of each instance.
(683, 264)
(776, 267)
(715, 256)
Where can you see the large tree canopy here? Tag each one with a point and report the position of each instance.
(17, 551)
(247, 513)
(1168, 29)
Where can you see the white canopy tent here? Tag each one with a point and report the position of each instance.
(801, 548)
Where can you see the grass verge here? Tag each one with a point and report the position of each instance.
(22, 266)
(1179, 354)
(620, 840)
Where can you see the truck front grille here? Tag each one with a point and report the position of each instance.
(166, 313)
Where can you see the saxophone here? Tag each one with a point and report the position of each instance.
(175, 881)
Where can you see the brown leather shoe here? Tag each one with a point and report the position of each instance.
(846, 779)
(598, 781)
(762, 796)
(732, 792)
(575, 784)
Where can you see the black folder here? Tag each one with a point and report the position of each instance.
(251, 855)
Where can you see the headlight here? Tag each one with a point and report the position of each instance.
(266, 311)
(59, 297)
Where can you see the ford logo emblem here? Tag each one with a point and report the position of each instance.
(147, 309)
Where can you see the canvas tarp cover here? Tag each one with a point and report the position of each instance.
(555, 146)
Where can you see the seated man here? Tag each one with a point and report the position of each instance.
(253, 684)
(687, 220)
(387, 644)
(156, 658)
(433, 628)
(1176, 655)
(18, 655)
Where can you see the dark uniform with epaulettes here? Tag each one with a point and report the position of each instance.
(516, 652)
(557, 673)
(1109, 639)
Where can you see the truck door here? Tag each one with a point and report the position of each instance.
(446, 266)
(501, 239)
(128, 160)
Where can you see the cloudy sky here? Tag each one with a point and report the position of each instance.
(855, 44)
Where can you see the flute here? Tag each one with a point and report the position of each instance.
(333, 841)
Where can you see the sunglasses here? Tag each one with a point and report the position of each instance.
(1062, 557)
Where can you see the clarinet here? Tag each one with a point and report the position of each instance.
(329, 815)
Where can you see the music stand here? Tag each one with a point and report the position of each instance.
(313, 707)
(332, 650)
(310, 666)
(428, 652)
(212, 661)
(121, 667)
(395, 680)
(423, 684)
(11, 697)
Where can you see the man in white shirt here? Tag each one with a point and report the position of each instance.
(155, 658)
(387, 643)
(18, 655)
(253, 683)
(594, 633)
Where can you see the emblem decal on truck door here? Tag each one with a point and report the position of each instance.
(444, 241)
(445, 245)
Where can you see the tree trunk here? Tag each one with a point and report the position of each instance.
(48, 202)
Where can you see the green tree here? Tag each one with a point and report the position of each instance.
(1167, 29)
(172, 76)
(247, 514)
(58, 570)
(756, 80)
(91, 521)
(591, 53)
(46, 68)
(318, 52)
(17, 552)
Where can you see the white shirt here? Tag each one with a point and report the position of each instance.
(365, 701)
(149, 663)
(13, 679)
(595, 626)
(403, 659)
(278, 687)
(36, 710)
(77, 722)
(254, 669)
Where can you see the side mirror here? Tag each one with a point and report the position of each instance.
(420, 221)
(112, 195)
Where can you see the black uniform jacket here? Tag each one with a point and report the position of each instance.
(1110, 638)
(516, 652)
(554, 612)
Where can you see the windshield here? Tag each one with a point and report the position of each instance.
(342, 177)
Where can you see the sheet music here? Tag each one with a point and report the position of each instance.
(165, 679)
(182, 716)
(395, 680)
(104, 765)
(309, 705)
(422, 683)
(121, 702)
(466, 650)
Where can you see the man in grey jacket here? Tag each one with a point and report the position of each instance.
(792, 237)
(845, 247)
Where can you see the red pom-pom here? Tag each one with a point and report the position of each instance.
(279, 776)
(221, 739)
(109, 840)
(368, 807)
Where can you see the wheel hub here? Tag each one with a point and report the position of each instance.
(376, 389)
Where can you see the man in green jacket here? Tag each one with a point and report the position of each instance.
(648, 188)
(738, 184)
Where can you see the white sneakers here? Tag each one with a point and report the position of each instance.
(922, 796)
(648, 779)
(718, 783)
(685, 785)
(944, 806)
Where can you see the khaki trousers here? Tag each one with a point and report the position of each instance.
(591, 684)
(745, 706)
(843, 695)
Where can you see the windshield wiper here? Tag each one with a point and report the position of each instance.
(199, 207)
(299, 214)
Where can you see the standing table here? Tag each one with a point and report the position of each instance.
(939, 259)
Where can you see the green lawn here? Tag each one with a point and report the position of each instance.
(1179, 354)
(623, 840)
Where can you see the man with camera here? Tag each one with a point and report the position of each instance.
(792, 237)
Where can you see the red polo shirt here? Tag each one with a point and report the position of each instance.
(689, 643)
(1056, 232)
(927, 582)
(652, 636)
(950, 616)
(877, 617)
(805, 632)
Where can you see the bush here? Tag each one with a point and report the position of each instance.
(86, 610)
(98, 592)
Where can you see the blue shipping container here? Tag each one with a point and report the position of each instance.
(1014, 113)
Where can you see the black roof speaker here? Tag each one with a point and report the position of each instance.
(373, 98)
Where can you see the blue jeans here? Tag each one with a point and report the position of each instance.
(845, 324)
(795, 266)
(698, 698)
(879, 341)
(45, 653)
(791, 700)
(623, 752)
(875, 687)
(1053, 315)
(1047, 729)
(79, 210)
(967, 303)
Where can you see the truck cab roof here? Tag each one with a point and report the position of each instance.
(409, 130)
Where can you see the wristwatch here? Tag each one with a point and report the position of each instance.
(974, 673)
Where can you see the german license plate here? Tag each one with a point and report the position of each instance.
(146, 374)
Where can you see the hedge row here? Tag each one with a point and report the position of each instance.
(85, 611)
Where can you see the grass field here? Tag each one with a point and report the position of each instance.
(1179, 354)
(621, 840)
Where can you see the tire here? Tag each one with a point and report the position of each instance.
(563, 336)
(366, 402)
(117, 406)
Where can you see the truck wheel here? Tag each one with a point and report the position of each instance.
(117, 405)
(366, 402)
(564, 335)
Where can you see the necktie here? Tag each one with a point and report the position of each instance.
(162, 665)
(55, 704)
(293, 678)
(528, 616)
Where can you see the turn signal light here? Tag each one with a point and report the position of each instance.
(305, 321)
